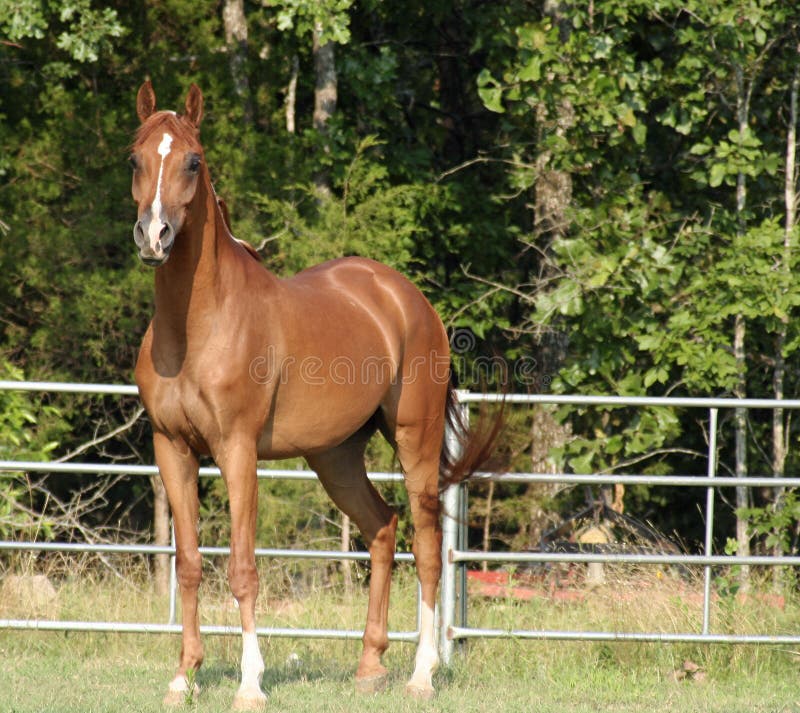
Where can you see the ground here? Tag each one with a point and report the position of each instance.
(105, 673)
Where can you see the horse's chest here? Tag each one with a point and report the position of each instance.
(191, 410)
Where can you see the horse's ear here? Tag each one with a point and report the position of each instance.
(194, 105)
(145, 101)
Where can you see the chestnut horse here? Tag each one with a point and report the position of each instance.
(241, 365)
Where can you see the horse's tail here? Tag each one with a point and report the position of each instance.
(466, 449)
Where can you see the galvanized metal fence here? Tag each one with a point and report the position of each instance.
(453, 602)
(456, 556)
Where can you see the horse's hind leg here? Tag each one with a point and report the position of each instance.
(418, 431)
(342, 473)
(422, 482)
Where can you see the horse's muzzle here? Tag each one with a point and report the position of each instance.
(154, 240)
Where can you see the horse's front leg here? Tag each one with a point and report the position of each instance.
(178, 466)
(238, 465)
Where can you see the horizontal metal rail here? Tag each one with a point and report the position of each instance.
(122, 627)
(464, 397)
(618, 401)
(8, 467)
(457, 632)
(456, 557)
(120, 549)
(16, 466)
(623, 558)
(60, 387)
(700, 481)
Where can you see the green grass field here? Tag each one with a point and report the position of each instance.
(88, 673)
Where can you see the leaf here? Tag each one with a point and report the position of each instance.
(531, 70)
(700, 149)
(628, 118)
(717, 174)
(490, 92)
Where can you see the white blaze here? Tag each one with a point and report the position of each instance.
(157, 221)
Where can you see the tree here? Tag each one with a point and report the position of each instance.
(667, 254)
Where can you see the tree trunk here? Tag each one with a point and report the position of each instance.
(553, 187)
(324, 100)
(779, 444)
(291, 96)
(552, 193)
(235, 23)
(740, 424)
(161, 535)
(740, 330)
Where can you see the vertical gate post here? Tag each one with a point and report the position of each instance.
(709, 542)
(173, 578)
(453, 537)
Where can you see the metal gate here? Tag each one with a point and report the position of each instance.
(456, 556)
(453, 601)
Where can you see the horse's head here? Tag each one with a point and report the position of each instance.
(167, 159)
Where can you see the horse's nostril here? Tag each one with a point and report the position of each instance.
(138, 232)
(164, 231)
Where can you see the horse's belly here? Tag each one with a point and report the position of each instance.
(310, 423)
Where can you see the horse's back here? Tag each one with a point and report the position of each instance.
(385, 293)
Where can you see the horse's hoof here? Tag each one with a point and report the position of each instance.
(251, 701)
(369, 685)
(177, 696)
(173, 699)
(421, 693)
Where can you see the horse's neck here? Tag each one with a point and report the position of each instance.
(190, 285)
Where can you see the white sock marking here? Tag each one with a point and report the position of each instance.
(427, 658)
(180, 684)
(157, 221)
(252, 664)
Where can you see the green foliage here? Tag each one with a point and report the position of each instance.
(20, 438)
(82, 32)
(24, 435)
(371, 218)
(670, 122)
(665, 123)
(302, 16)
(775, 522)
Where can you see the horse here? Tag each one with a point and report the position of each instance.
(241, 365)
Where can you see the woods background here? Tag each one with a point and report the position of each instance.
(602, 194)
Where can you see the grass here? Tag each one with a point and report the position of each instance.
(88, 673)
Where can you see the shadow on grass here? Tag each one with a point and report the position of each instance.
(228, 676)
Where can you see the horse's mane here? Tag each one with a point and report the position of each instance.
(226, 216)
(177, 125)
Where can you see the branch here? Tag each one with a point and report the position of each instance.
(652, 454)
(105, 437)
(480, 159)
(269, 239)
(497, 286)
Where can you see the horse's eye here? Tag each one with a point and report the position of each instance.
(134, 162)
(193, 163)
